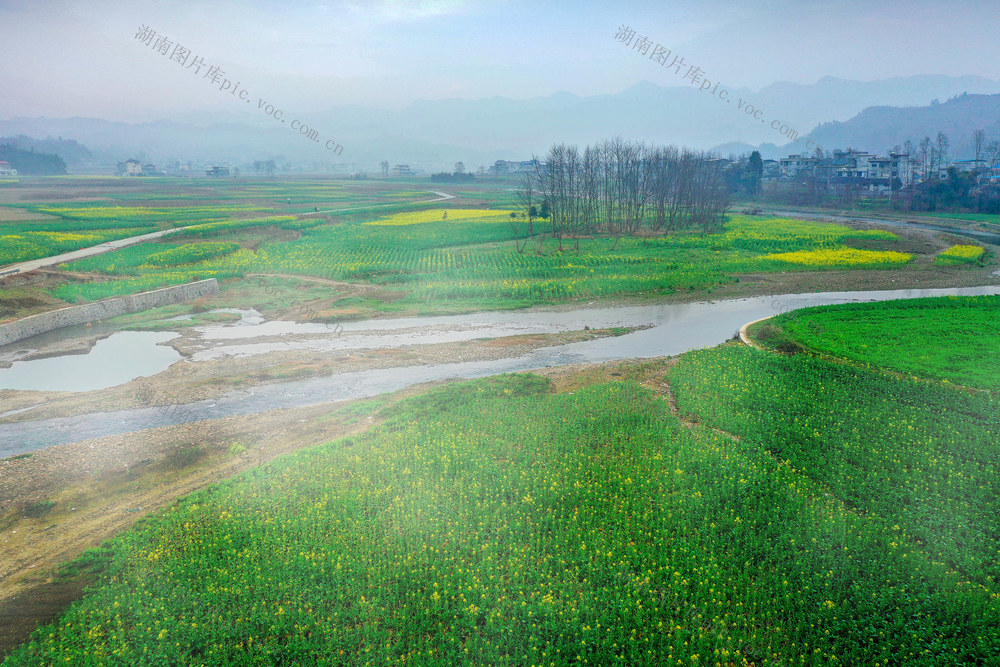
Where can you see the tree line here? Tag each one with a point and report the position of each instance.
(30, 163)
(622, 188)
(945, 187)
(937, 183)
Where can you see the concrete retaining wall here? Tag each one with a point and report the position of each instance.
(745, 332)
(101, 310)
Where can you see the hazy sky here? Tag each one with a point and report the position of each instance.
(64, 58)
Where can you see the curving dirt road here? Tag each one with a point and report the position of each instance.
(442, 196)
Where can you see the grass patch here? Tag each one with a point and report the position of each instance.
(38, 509)
(183, 457)
(952, 339)
(918, 459)
(769, 335)
(192, 253)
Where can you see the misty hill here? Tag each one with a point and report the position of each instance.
(434, 134)
(30, 163)
(70, 151)
(879, 128)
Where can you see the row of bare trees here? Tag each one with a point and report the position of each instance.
(931, 156)
(622, 188)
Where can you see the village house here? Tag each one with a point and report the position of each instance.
(876, 173)
(504, 168)
(130, 167)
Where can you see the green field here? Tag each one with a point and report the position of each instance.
(810, 512)
(124, 207)
(954, 339)
(469, 259)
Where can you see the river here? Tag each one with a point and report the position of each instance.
(674, 329)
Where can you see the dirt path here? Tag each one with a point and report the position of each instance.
(441, 196)
(650, 373)
(313, 279)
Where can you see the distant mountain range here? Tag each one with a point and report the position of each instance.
(879, 128)
(433, 135)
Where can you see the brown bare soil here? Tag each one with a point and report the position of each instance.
(10, 214)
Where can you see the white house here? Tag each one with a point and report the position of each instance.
(130, 168)
(6, 169)
(790, 166)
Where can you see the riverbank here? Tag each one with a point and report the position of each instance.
(646, 332)
(186, 382)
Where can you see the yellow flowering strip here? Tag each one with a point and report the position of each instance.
(441, 215)
(788, 234)
(101, 212)
(960, 254)
(848, 257)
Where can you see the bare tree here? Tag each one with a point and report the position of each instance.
(941, 150)
(924, 154)
(526, 198)
(572, 194)
(384, 167)
(589, 189)
(621, 187)
(978, 144)
(993, 153)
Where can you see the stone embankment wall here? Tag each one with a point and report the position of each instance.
(101, 310)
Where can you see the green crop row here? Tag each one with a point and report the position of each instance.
(496, 523)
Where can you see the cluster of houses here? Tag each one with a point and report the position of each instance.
(133, 167)
(869, 171)
(6, 169)
(876, 173)
(136, 168)
(504, 168)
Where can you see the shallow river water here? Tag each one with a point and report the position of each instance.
(674, 328)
